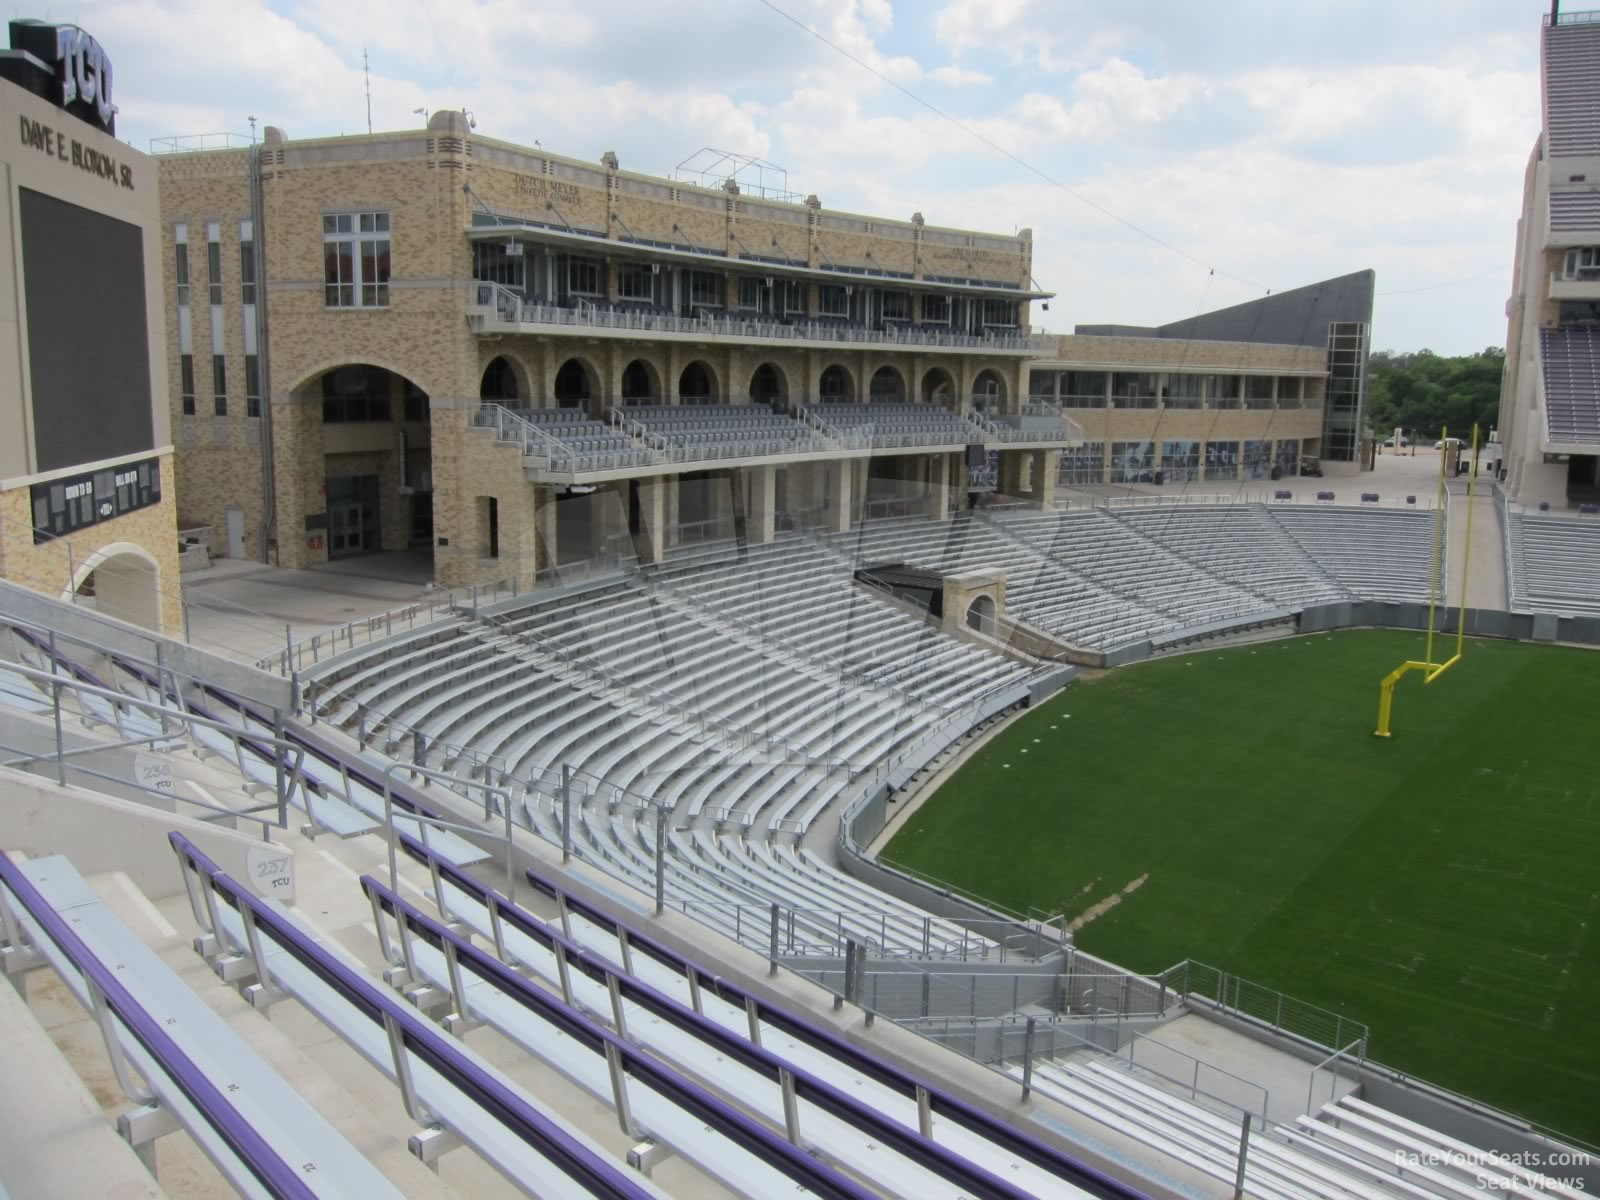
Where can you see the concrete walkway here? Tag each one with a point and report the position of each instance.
(241, 609)
(1486, 569)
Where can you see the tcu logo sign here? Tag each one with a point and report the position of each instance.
(65, 66)
(85, 73)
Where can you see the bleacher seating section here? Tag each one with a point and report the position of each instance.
(578, 443)
(751, 719)
(900, 424)
(1555, 563)
(734, 692)
(1570, 359)
(724, 430)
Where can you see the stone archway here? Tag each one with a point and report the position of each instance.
(697, 384)
(981, 615)
(888, 385)
(124, 581)
(988, 391)
(836, 384)
(501, 385)
(769, 384)
(641, 383)
(576, 383)
(938, 387)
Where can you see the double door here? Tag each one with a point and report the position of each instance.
(353, 516)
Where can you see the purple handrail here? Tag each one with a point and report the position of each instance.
(254, 1151)
(973, 1180)
(422, 1039)
(1003, 1135)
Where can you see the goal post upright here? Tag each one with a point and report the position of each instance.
(1430, 669)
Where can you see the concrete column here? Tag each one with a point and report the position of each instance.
(608, 513)
(722, 503)
(939, 486)
(650, 543)
(836, 495)
(760, 485)
(671, 484)
(1046, 470)
(544, 523)
(861, 469)
(1012, 464)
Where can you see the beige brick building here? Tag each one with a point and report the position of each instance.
(435, 342)
(87, 496)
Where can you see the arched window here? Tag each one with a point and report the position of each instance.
(834, 385)
(695, 385)
(888, 385)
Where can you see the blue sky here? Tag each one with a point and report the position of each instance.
(1276, 142)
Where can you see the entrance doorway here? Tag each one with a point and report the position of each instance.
(235, 519)
(353, 515)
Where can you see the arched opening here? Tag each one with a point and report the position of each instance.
(640, 383)
(377, 485)
(768, 385)
(835, 386)
(988, 392)
(122, 580)
(981, 615)
(938, 387)
(888, 386)
(499, 382)
(576, 384)
(697, 384)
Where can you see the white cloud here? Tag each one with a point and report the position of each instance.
(953, 76)
(1107, 100)
(1283, 143)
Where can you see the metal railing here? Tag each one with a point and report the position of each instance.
(117, 709)
(1215, 989)
(296, 656)
(510, 308)
(189, 143)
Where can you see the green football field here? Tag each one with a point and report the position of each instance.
(1439, 886)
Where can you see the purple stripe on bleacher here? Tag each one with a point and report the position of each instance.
(1001, 1134)
(824, 1095)
(252, 1149)
(527, 1123)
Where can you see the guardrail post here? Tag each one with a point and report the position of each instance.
(1027, 1059)
(566, 813)
(661, 860)
(55, 703)
(791, 1106)
(772, 941)
(1244, 1148)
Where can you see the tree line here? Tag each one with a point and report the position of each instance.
(1424, 392)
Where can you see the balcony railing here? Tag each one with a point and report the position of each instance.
(511, 308)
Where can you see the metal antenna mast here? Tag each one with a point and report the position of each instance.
(366, 73)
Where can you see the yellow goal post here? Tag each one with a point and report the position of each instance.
(1430, 669)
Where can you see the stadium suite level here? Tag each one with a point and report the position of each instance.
(342, 309)
(1550, 393)
(86, 471)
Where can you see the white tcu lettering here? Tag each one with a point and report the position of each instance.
(85, 71)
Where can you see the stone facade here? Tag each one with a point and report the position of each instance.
(431, 184)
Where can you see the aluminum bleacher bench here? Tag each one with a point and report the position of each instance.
(261, 1134)
(674, 989)
(463, 1094)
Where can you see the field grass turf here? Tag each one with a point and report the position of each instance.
(1440, 886)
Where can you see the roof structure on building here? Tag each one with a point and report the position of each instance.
(1298, 317)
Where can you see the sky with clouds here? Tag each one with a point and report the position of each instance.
(1277, 141)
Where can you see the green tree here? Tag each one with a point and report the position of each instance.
(1425, 393)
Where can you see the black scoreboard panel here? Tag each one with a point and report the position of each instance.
(88, 338)
(76, 502)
